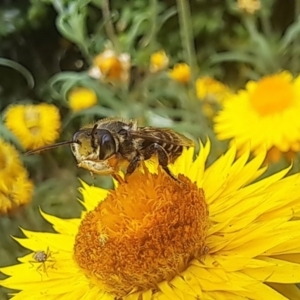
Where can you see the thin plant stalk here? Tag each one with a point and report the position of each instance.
(187, 37)
(152, 35)
(109, 28)
(296, 43)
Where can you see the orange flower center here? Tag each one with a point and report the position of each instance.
(111, 67)
(144, 232)
(272, 95)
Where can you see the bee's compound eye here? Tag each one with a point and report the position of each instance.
(107, 146)
(76, 136)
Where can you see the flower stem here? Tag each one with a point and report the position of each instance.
(109, 28)
(152, 35)
(265, 23)
(296, 43)
(297, 9)
(186, 32)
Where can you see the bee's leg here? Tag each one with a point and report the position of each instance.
(162, 155)
(118, 178)
(132, 166)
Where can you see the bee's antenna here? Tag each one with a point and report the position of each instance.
(93, 136)
(94, 129)
(51, 147)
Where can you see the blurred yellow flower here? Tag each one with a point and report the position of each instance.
(181, 72)
(34, 125)
(108, 66)
(249, 6)
(211, 92)
(15, 187)
(153, 238)
(263, 116)
(81, 98)
(158, 61)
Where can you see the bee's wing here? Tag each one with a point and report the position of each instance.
(162, 135)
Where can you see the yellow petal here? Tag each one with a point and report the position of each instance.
(290, 291)
(37, 241)
(280, 271)
(167, 290)
(147, 295)
(181, 285)
(63, 226)
(92, 195)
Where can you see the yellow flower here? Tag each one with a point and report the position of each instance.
(181, 73)
(108, 66)
(15, 187)
(34, 125)
(81, 98)
(249, 6)
(264, 115)
(158, 61)
(211, 92)
(219, 233)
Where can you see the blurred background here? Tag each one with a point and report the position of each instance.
(65, 64)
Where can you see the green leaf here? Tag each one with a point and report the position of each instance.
(135, 30)
(261, 49)
(292, 33)
(232, 56)
(9, 136)
(98, 111)
(66, 30)
(169, 13)
(22, 70)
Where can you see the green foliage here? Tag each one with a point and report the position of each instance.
(260, 48)
(19, 68)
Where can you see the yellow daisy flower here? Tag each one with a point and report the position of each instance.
(211, 89)
(211, 92)
(158, 61)
(217, 234)
(15, 187)
(249, 6)
(81, 98)
(34, 125)
(181, 72)
(264, 115)
(108, 66)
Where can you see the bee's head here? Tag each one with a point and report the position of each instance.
(93, 144)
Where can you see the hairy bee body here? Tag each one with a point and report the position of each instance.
(112, 143)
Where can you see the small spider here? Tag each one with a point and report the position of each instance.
(41, 257)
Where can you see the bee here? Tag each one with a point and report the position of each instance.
(113, 143)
